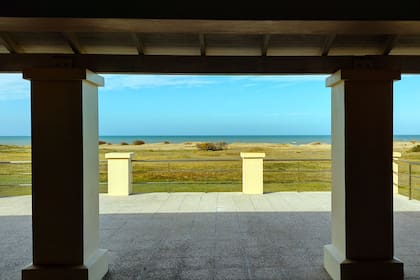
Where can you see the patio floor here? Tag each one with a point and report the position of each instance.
(210, 235)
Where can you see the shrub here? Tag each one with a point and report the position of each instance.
(102, 142)
(212, 146)
(138, 142)
(166, 142)
(123, 143)
(415, 149)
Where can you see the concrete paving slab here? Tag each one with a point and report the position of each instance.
(210, 235)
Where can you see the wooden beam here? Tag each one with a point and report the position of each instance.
(138, 42)
(9, 43)
(328, 44)
(264, 45)
(73, 42)
(203, 44)
(252, 27)
(390, 44)
(209, 64)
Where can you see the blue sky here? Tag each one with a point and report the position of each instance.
(210, 105)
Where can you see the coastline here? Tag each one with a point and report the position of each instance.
(229, 139)
(397, 145)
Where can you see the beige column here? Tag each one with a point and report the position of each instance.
(65, 202)
(119, 173)
(252, 173)
(362, 200)
(395, 158)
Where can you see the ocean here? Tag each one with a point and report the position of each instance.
(283, 139)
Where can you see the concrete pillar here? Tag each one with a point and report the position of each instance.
(395, 157)
(119, 173)
(362, 199)
(65, 189)
(252, 173)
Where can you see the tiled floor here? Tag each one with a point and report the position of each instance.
(210, 235)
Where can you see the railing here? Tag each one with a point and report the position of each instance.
(409, 178)
(209, 175)
(297, 175)
(204, 175)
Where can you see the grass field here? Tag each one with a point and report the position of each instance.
(203, 175)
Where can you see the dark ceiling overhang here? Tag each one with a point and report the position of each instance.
(219, 10)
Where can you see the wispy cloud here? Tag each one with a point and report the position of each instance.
(113, 82)
(280, 78)
(13, 87)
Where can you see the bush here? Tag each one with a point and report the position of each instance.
(123, 143)
(102, 142)
(138, 142)
(212, 146)
(415, 149)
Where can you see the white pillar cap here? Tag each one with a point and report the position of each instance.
(252, 155)
(396, 154)
(119, 155)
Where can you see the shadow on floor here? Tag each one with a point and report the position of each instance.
(219, 245)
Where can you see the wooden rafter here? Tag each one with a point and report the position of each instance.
(138, 42)
(73, 42)
(390, 44)
(264, 45)
(328, 44)
(203, 44)
(9, 43)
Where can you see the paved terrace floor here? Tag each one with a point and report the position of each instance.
(210, 235)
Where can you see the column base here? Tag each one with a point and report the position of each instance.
(94, 269)
(340, 268)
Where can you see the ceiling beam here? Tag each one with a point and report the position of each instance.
(209, 64)
(328, 44)
(138, 42)
(264, 45)
(391, 41)
(203, 44)
(73, 42)
(9, 43)
(252, 27)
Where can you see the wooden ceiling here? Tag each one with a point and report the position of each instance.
(208, 37)
(299, 38)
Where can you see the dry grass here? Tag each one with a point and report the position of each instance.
(208, 175)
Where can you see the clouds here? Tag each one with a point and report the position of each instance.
(133, 82)
(121, 82)
(13, 87)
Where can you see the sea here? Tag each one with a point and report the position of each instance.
(281, 139)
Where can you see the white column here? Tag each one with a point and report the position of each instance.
(362, 200)
(119, 173)
(252, 173)
(395, 158)
(65, 188)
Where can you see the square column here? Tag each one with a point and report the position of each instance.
(252, 173)
(119, 173)
(65, 170)
(362, 196)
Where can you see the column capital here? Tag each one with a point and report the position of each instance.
(63, 74)
(362, 75)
